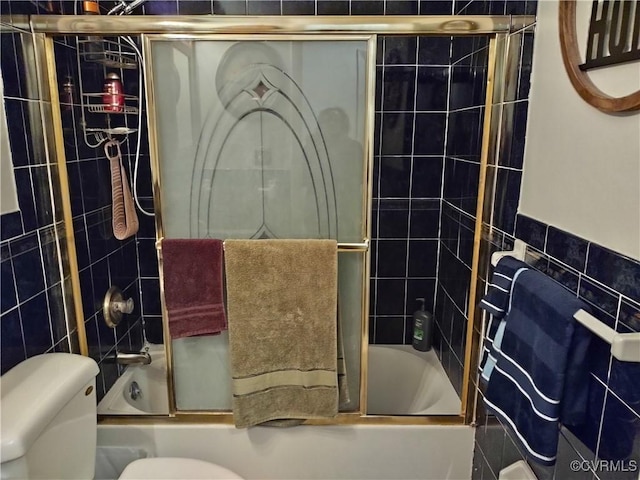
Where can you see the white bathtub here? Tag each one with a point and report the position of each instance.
(339, 452)
(151, 380)
(404, 381)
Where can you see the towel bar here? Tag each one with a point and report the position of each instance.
(342, 247)
(625, 347)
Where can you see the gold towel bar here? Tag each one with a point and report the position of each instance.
(342, 247)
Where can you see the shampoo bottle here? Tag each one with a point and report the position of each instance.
(422, 328)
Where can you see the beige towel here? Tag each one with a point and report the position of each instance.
(281, 303)
(343, 386)
(125, 219)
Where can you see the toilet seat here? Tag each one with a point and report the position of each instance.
(172, 468)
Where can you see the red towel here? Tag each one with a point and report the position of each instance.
(193, 288)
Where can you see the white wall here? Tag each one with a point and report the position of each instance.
(582, 166)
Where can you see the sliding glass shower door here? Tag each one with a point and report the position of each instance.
(262, 138)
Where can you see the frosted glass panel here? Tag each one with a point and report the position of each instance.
(261, 139)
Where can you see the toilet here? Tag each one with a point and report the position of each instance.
(48, 426)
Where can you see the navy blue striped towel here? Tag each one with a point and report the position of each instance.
(496, 303)
(540, 379)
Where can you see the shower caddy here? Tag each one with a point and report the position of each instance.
(113, 54)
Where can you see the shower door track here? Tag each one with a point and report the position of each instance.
(498, 28)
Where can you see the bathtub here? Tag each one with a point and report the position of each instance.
(336, 452)
(151, 381)
(404, 381)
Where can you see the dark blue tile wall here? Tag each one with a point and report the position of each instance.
(102, 259)
(411, 112)
(459, 199)
(32, 309)
(32, 318)
(607, 281)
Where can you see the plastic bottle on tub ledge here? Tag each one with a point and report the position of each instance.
(422, 328)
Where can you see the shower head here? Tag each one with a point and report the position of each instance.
(123, 8)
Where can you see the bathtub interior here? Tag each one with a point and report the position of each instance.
(401, 381)
(404, 381)
(140, 390)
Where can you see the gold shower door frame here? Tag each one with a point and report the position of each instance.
(504, 34)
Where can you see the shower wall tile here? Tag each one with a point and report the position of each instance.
(332, 7)
(392, 258)
(426, 177)
(434, 51)
(436, 7)
(395, 176)
(263, 7)
(461, 184)
(397, 133)
(399, 88)
(32, 319)
(300, 7)
(103, 260)
(506, 198)
(389, 330)
(399, 50)
(401, 7)
(432, 88)
(429, 133)
(411, 117)
(393, 219)
(464, 48)
(162, 7)
(229, 7)
(424, 218)
(195, 7)
(464, 135)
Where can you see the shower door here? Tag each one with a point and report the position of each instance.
(262, 138)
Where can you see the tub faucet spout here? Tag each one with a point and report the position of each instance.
(133, 358)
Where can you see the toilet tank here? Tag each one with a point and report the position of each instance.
(48, 418)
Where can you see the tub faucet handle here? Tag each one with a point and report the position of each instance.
(124, 306)
(115, 306)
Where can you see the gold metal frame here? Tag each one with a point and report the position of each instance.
(496, 27)
(495, 89)
(56, 152)
(309, 24)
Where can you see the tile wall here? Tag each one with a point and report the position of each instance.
(610, 284)
(469, 58)
(412, 93)
(32, 306)
(32, 312)
(103, 260)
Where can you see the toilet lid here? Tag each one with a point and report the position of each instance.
(169, 468)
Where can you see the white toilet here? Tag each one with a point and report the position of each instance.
(48, 426)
